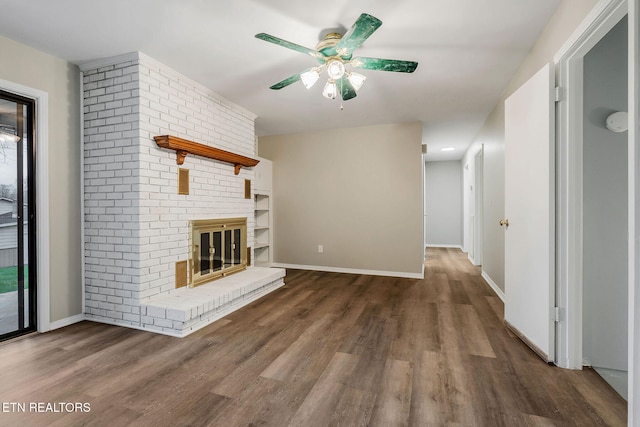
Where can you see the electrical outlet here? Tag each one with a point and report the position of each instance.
(320, 249)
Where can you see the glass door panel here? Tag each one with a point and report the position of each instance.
(217, 245)
(227, 248)
(204, 253)
(17, 216)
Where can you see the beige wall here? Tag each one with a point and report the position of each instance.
(568, 16)
(29, 67)
(357, 192)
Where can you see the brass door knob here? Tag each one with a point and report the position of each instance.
(504, 222)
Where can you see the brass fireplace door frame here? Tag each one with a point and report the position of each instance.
(216, 258)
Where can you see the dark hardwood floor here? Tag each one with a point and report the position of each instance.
(326, 349)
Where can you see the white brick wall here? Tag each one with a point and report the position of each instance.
(136, 225)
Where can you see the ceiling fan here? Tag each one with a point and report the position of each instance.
(334, 53)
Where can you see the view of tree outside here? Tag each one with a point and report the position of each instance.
(8, 191)
(8, 222)
(8, 159)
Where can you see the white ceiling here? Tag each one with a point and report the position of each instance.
(467, 52)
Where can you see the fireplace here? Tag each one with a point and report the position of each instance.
(218, 248)
(156, 260)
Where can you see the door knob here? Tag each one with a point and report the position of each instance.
(504, 222)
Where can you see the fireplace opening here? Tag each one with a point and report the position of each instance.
(218, 248)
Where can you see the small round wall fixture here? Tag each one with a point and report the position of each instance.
(618, 121)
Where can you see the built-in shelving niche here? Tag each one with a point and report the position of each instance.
(262, 245)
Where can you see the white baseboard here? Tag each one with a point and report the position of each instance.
(352, 270)
(429, 245)
(493, 285)
(66, 322)
(473, 261)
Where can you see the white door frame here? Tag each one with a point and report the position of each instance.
(469, 194)
(424, 209)
(634, 208)
(569, 64)
(42, 196)
(605, 15)
(478, 204)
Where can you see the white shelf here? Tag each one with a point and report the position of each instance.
(262, 231)
(262, 202)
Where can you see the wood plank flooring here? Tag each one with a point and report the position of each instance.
(327, 349)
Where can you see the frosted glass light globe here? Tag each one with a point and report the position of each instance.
(335, 69)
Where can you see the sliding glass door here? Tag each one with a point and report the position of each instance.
(17, 216)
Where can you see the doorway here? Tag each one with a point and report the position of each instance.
(17, 216)
(593, 193)
(605, 210)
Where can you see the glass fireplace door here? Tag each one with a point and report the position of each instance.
(219, 246)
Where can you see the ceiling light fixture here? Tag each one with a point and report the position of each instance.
(448, 149)
(335, 69)
(356, 80)
(336, 82)
(330, 90)
(309, 78)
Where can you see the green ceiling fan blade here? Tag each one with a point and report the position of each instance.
(289, 45)
(384, 64)
(364, 26)
(289, 80)
(346, 88)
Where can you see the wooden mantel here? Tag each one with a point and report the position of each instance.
(183, 147)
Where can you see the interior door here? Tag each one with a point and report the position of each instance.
(529, 224)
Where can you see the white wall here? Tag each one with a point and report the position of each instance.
(356, 191)
(443, 202)
(605, 230)
(566, 19)
(59, 79)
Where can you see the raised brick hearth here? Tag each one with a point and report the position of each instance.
(184, 310)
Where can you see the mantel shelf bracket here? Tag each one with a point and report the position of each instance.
(183, 147)
(180, 155)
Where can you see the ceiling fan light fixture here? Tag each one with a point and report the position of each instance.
(356, 80)
(335, 69)
(330, 90)
(334, 52)
(310, 78)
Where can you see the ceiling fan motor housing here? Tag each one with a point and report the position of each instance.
(329, 41)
